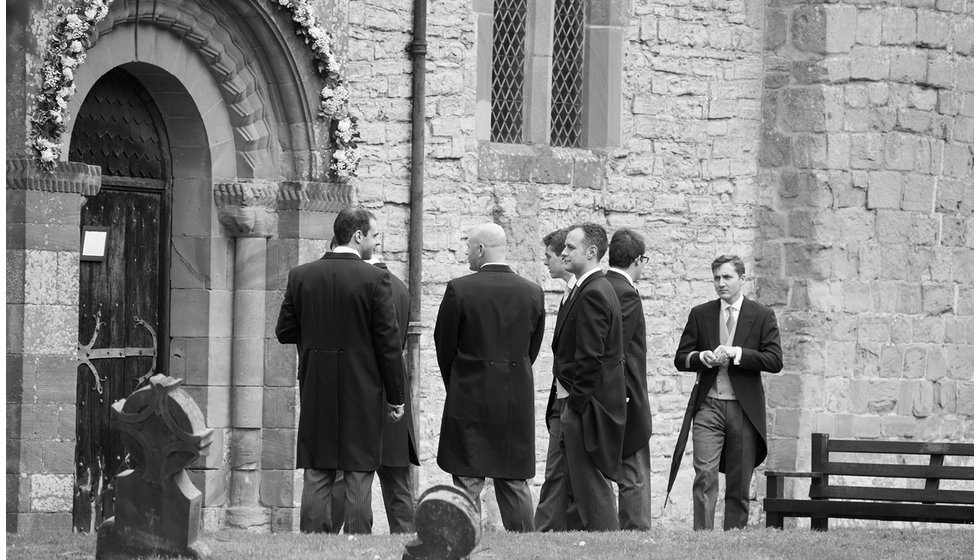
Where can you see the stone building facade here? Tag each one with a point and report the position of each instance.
(829, 144)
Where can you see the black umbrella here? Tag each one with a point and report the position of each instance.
(675, 461)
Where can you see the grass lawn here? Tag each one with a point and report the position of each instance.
(754, 544)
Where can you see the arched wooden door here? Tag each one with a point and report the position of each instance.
(123, 298)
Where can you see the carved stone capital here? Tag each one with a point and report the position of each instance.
(247, 209)
(250, 208)
(67, 177)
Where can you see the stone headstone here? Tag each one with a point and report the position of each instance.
(158, 509)
(448, 527)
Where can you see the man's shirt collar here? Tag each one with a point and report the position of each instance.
(737, 305)
(623, 274)
(587, 274)
(346, 249)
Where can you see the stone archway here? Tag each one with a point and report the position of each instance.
(237, 94)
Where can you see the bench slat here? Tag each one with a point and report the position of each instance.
(793, 474)
(898, 471)
(892, 494)
(870, 510)
(900, 447)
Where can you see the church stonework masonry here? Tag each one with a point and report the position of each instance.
(828, 144)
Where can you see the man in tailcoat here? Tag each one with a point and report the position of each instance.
(340, 313)
(588, 349)
(487, 335)
(553, 493)
(398, 448)
(729, 342)
(626, 260)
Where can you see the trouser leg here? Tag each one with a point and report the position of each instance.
(338, 496)
(708, 434)
(591, 492)
(315, 502)
(740, 445)
(358, 517)
(473, 486)
(634, 491)
(514, 501)
(397, 494)
(551, 514)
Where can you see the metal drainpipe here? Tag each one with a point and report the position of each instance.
(418, 49)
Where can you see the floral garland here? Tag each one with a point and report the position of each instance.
(334, 96)
(66, 51)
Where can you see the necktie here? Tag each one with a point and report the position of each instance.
(564, 295)
(730, 322)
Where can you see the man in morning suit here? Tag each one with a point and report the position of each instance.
(626, 260)
(728, 342)
(588, 349)
(487, 334)
(398, 448)
(553, 493)
(340, 313)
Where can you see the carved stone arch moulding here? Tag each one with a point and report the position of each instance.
(232, 69)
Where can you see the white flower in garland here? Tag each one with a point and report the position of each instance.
(333, 101)
(335, 95)
(65, 53)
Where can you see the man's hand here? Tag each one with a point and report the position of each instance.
(394, 412)
(709, 359)
(723, 353)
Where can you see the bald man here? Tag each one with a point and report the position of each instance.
(488, 333)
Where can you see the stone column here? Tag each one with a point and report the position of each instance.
(247, 212)
(43, 216)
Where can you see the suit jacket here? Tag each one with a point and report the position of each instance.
(758, 335)
(340, 313)
(488, 333)
(639, 425)
(398, 443)
(588, 349)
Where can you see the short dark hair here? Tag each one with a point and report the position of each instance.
(736, 263)
(594, 235)
(556, 240)
(350, 220)
(624, 247)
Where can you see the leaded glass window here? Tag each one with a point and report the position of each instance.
(568, 63)
(507, 74)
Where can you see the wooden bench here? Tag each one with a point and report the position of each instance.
(836, 498)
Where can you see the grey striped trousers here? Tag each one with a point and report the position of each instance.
(316, 503)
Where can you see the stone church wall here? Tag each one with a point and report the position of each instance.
(867, 146)
(757, 129)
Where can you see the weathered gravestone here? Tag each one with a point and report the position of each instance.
(158, 509)
(447, 523)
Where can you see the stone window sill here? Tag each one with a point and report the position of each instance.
(540, 163)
